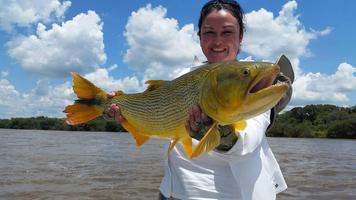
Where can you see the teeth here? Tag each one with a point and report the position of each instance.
(280, 83)
(218, 50)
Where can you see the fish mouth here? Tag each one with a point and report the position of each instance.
(264, 79)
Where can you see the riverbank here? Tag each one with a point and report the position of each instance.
(311, 121)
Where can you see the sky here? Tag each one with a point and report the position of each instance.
(118, 45)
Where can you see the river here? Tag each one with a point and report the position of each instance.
(101, 165)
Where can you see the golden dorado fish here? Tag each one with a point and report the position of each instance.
(228, 92)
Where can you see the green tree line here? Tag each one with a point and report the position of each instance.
(46, 123)
(316, 121)
(312, 121)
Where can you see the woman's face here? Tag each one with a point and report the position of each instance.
(220, 36)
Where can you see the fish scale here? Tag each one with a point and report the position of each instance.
(147, 110)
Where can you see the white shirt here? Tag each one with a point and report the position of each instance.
(247, 171)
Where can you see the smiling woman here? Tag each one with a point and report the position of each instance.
(220, 35)
(242, 153)
(158, 39)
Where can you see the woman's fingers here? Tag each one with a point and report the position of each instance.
(193, 126)
(197, 120)
(118, 116)
(110, 94)
(205, 118)
(196, 112)
(113, 111)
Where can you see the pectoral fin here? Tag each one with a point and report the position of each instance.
(210, 141)
(240, 125)
(140, 139)
(154, 84)
(187, 145)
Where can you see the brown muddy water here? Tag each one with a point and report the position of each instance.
(100, 165)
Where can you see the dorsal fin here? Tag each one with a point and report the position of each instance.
(119, 93)
(154, 84)
(196, 62)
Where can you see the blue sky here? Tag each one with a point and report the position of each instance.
(120, 44)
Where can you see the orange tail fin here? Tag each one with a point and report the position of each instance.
(87, 107)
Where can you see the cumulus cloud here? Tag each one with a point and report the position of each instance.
(268, 36)
(322, 88)
(44, 99)
(23, 13)
(8, 92)
(102, 79)
(75, 45)
(160, 49)
(158, 46)
(47, 99)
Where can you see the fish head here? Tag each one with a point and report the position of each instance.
(234, 90)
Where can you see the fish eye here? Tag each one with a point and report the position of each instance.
(246, 72)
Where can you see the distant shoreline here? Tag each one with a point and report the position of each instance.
(125, 132)
(311, 121)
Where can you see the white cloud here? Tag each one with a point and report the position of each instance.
(162, 50)
(102, 79)
(112, 67)
(267, 36)
(23, 13)
(4, 74)
(44, 99)
(8, 93)
(158, 46)
(321, 88)
(50, 100)
(76, 45)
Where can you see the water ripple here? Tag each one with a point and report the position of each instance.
(96, 165)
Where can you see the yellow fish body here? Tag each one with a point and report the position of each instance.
(228, 92)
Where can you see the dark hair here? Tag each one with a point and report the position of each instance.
(230, 5)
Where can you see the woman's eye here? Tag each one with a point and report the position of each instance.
(208, 33)
(227, 33)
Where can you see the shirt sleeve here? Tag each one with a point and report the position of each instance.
(249, 139)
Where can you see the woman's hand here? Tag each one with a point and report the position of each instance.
(113, 112)
(198, 123)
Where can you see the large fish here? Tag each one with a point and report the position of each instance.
(228, 92)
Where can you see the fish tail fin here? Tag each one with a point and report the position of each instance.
(88, 104)
(210, 141)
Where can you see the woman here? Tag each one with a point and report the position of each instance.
(243, 165)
